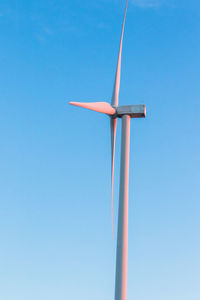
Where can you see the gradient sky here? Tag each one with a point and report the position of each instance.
(55, 220)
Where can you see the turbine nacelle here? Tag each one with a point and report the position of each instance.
(134, 111)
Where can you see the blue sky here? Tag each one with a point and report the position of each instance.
(55, 222)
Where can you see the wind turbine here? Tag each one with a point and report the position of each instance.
(125, 113)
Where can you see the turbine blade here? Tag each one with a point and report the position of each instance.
(101, 107)
(113, 127)
(115, 97)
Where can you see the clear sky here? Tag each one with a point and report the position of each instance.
(55, 221)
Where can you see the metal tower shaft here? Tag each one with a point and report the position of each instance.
(122, 236)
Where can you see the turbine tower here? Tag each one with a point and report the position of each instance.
(125, 113)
